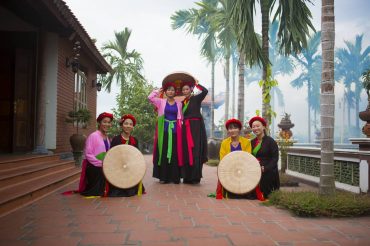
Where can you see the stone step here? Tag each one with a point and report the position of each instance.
(19, 194)
(21, 173)
(23, 160)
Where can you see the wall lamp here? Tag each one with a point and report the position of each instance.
(98, 85)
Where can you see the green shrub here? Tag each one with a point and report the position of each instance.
(311, 204)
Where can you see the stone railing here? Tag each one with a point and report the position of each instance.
(350, 175)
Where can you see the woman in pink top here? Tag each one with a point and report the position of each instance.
(167, 152)
(92, 181)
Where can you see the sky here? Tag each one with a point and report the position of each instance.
(165, 50)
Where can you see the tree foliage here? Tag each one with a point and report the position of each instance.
(134, 101)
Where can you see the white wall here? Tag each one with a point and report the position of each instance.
(50, 56)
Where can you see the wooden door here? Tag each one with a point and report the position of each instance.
(23, 104)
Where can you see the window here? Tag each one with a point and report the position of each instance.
(80, 98)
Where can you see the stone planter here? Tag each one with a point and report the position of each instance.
(77, 142)
(365, 116)
(285, 125)
(214, 148)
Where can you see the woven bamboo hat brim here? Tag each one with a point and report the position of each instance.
(239, 172)
(124, 166)
(178, 78)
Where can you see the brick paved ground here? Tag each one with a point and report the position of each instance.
(171, 215)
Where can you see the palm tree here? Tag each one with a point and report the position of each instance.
(283, 65)
(294, 24)
(197, 22)
(351, 62)
(225, 35)
(309, 59)
(234, 66)
(126, 64)
(327, 106)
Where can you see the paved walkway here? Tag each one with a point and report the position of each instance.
(171, 215)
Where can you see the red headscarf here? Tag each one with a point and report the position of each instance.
(258, 118)
(236, 121)
(169, 84)
(127, 116)
(104, 115)
(190, 84)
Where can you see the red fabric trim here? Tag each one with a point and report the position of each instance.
(83, 181)
(259, 193)
(179, 143)
(106, 189)
(190, 141)
(132, 140)
(199, 87)
(219, 194)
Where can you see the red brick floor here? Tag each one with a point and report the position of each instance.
(171, 215)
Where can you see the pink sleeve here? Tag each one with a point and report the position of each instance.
(92, 143)
(153, 98)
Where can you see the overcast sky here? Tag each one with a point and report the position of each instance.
(165, 50)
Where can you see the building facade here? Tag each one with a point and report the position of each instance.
(49, 66)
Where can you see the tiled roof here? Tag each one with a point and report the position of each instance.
(73, 22)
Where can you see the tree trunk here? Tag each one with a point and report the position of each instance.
(309, 109)
(273, 108)
(327, 106)
(213, 101)
(348, 116)
(233, 97)
(227, 76)
(265, 7)
(241, 88)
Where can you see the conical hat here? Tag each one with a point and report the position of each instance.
(179, 78)
(124, 166)
(239, 172)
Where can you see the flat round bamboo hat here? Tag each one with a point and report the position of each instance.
(239, 172)
(178, 78)
(124, 166)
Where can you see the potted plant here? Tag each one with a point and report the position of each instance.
(365, 115)
(79, 118)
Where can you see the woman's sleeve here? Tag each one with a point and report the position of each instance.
(274, 153)
(91, 144)
(153, 98)
(223, 150)
(249, 146)
(203, 92)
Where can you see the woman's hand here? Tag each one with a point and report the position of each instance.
(263, 168)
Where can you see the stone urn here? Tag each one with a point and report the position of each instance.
(77, 142)
(285, 125)
(365, 116)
